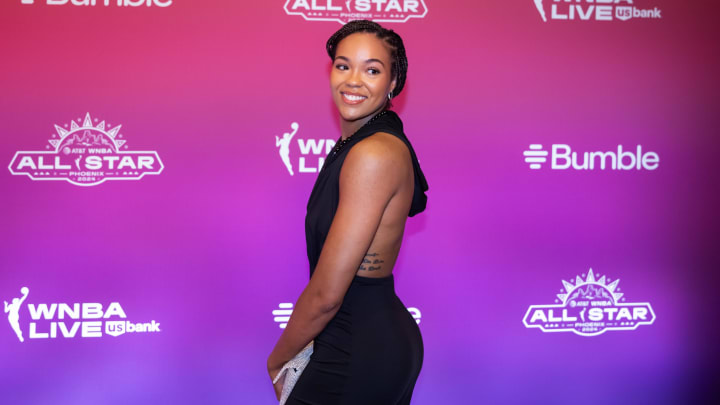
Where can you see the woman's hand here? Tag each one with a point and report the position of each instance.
(278, 387)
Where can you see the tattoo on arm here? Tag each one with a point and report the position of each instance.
(377, 262)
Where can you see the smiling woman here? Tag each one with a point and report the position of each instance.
(351, 49)
(367, 347)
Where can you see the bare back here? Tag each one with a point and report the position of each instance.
(380, 257)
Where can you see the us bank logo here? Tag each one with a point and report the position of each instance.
(76, 320)
(344, 11)
(86, 152)
(562, 157)
(593, 10)
(589, 307)
(302, 155)
(106, 3)
(281, 315)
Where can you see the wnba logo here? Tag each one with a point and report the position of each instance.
(312, 151)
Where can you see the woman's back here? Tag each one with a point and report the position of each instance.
(409, 197)
(385, 246)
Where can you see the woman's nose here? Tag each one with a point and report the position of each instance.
(354, 78)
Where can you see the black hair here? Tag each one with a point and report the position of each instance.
(398, 65)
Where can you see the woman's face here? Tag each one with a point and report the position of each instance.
(360, 78)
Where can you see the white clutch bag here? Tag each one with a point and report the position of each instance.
(293, 369)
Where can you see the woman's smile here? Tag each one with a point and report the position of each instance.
(352, 98)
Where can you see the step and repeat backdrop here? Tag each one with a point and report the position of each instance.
(160, 154)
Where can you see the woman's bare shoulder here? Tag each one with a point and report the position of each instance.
(381, 145)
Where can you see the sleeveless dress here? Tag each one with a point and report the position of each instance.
(371, 352)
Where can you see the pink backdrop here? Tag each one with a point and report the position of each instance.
(210, 245)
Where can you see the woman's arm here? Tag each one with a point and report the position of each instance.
(369, 178)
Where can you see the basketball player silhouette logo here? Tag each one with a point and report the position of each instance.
(284, 145)
(539, 5)
(13, 311)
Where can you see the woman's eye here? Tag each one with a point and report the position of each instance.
(340, 67)
(374, 71)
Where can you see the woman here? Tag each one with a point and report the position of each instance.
(367, 347)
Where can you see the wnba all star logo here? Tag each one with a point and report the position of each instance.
(589, 307)
(303, 155)
(86, 152)
(344, 11)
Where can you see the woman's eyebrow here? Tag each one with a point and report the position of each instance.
(366, 61)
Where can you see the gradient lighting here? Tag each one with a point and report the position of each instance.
(212, 245)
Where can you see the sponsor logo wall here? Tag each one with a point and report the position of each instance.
(160, 155)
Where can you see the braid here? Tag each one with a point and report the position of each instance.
(398, 65)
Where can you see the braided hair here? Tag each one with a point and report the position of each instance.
(398, 65)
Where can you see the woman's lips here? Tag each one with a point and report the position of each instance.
(352, 99)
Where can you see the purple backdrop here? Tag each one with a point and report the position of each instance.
(207, 240)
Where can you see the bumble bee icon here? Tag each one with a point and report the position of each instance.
(86, 153)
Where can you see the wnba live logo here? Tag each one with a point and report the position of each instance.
(312, 151)
(84, 320)
(343, 11)
(598, 10)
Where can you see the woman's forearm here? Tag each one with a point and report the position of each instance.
(308, 319)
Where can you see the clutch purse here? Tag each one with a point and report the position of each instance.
(293, 369)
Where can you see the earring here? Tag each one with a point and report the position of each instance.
(390, 96)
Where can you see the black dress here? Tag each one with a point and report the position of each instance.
(371, 351)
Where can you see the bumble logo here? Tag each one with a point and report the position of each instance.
(106, 3)
(597, 10)
(77, 320)
(282, 315)
(562, 157)
(86, 152)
